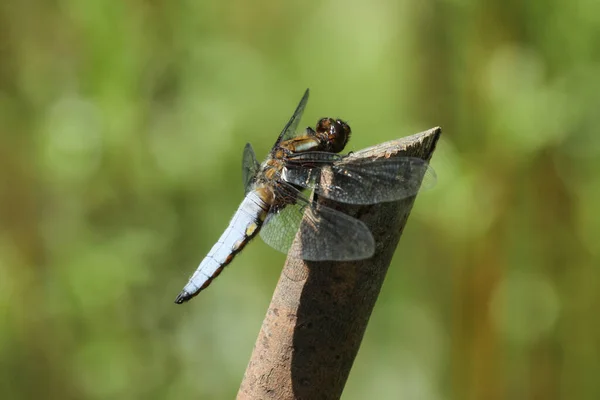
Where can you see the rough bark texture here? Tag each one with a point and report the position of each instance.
(320, 310)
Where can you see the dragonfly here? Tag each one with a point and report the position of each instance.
(277, 206)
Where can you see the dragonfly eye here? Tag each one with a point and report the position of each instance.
(335, 132)
(324, 125)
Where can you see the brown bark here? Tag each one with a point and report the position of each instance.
(320, 310)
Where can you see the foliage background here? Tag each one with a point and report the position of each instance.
(122, 125)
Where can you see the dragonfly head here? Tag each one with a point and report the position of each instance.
(334, 132)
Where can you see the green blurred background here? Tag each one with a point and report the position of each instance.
(122, 125)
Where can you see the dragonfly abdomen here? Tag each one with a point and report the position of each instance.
(244, 225)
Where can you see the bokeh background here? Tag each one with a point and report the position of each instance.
(122, 125)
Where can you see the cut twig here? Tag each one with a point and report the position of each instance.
(319, 311)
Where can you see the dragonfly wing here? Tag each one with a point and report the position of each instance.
(310, 231)
(361, 181)
(250, 167)
(289, 131)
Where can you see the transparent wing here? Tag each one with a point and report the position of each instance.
(250, 167)
(313, 232)
(289, 131)
(360, 181)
